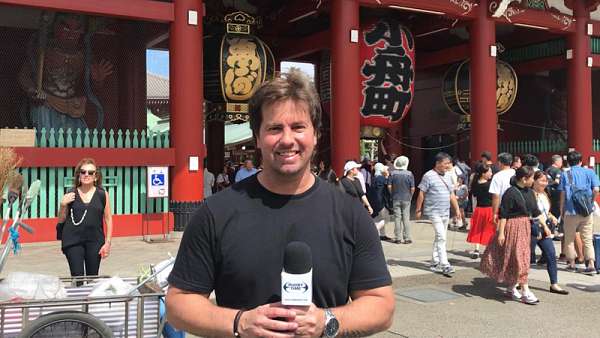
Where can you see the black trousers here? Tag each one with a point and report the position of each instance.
(83, 258)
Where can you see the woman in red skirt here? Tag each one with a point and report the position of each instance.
(506, 259)
(482, 223)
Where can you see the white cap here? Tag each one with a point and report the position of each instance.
(401, 163)
(349, 166)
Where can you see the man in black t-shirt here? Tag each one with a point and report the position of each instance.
(234, 243)
(554, 173)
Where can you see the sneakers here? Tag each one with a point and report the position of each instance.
(529, 298)
(512, 292)
(580, 267)
(437, 268)
(589, 271)
(475, 254)
(448, 271)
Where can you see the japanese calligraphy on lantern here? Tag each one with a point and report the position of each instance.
(388, 72)
(244, 71)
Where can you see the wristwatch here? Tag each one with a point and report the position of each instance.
(332, 326)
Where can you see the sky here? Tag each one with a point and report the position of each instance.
(157, 62)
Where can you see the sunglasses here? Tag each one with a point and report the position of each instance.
(89, 172)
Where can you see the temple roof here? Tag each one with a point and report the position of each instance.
(157, 87)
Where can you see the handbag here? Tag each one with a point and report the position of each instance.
(59, 230)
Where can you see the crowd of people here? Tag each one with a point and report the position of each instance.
(515, 207)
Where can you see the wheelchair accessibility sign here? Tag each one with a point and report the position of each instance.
(158, 182)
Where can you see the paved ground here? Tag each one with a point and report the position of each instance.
(473, 305)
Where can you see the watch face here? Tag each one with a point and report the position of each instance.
(332, 327)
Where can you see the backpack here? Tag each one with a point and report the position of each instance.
(584, 206)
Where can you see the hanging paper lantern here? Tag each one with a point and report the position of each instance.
(243, 63)
(388, 72)
(456, 89)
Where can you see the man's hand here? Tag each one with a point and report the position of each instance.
(270, 320)
(418, 214)
(100, 71)
(311, 322)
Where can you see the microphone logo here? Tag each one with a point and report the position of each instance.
(295, 287)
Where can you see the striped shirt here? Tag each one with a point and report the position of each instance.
(436, 188)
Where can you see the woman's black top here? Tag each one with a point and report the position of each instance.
(91, 228)
(352, 187)
(513, 205)
(481, 191)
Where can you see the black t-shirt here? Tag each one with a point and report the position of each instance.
(352, 187)
(554, 174)
(234, 245)
(518, 202)
(482, 192)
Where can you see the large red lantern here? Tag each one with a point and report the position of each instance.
(388, 72)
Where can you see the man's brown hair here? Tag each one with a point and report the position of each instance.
(294, 86)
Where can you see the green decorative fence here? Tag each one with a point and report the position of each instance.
(126, 186)
(534, 51)
(532, 147)
(93, 138)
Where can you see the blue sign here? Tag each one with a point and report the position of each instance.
(158, 180)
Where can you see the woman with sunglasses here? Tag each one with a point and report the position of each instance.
(84, 210)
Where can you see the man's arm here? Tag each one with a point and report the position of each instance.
(454, 204)
(495, 206)
(196, 314)
(370, 311)
(419, 206)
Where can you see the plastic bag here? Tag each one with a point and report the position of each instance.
(113, 286)
(27, 285)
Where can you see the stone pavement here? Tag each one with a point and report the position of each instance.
(428, 304)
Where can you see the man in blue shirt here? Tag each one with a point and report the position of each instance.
(246, 171)
(586, 179)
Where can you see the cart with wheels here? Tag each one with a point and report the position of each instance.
(78, 315)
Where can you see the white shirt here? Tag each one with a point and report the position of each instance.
(501, 182)
(361, 179)
(209, 181)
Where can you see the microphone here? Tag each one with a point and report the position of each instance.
(296, 277)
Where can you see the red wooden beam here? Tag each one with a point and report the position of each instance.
(129, 9)
(540, 65)
(543, 20)
(111, 157)
(596, 62)
(442, 57)
(289, 49)
(463, 9)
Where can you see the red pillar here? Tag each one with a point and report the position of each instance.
(186, 96)
(484, 121)
(345, 84)
(579, 118)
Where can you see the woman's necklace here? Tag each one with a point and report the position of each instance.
(82, 217)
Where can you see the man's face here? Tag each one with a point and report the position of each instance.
(69, 30)
(286, 138)
(248, 164)
(558, 163)
(443, 165)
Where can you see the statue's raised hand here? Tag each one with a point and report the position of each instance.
(101, 71)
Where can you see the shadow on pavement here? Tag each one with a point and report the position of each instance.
(415, 265)
(481, 287)
(585, 288)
